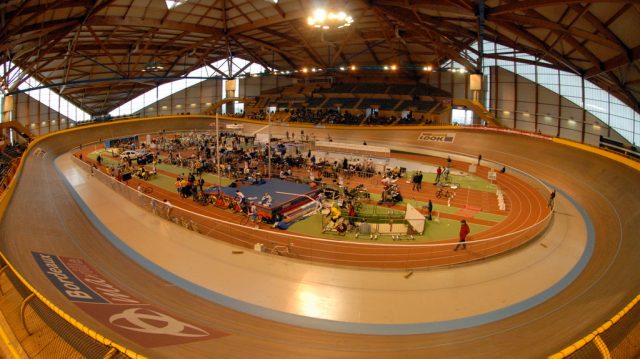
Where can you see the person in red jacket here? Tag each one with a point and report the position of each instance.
(464, 231)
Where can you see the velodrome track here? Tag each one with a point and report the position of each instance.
(43, 217)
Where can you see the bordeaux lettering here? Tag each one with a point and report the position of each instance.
(109, 290)
(72, 290)
(78, 294)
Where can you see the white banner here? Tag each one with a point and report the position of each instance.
(437, 137)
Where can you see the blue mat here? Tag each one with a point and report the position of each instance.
(271, 186)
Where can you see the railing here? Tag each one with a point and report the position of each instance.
(239, 231)
(607, 340)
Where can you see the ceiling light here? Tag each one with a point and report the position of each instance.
(329, 19)
(152, 66)
(353, 67)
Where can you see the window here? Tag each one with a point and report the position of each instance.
(193, 78)
(600, 103)
(44, 95)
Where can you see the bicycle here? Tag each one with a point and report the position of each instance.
(146, 189)
(444, 193)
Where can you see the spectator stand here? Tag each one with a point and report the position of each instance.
(619, 147)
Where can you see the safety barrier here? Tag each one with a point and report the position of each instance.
(608, 340)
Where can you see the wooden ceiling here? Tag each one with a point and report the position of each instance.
(94, 52)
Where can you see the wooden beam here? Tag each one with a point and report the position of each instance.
(530, 4)
(541, 22)
(153, 23)
(614, 63)
(294, 15)
(253, 56)
(266, 45)
(313, 54)
(453, 53)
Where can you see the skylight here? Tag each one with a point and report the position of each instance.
(174, 3)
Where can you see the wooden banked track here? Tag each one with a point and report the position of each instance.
(604, 188)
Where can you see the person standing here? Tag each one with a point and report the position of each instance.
(253, 212)
(429, 209)
(464, 231)
(239, 197)
(201, 184)
(438, 174)
(552, 198)
(364, 228)
(414, 181)
(168, 207)
(479, 159)
(419, 181)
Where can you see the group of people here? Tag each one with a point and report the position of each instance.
(416, 181)
(188, 186)
(442, 174)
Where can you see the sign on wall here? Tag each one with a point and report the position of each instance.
(437, 137)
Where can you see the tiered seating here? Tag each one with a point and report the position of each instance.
(371, 88)
(291, 98)
(382, 104)
(419, 106)
(338, 88)
(344, 102)
(345, 118)
(293, 89)
(380, 120)
(307, 115)
(302, 104)
(315, 102)
(426, 90)
(401, 89)
(407, 121)
(12, 152)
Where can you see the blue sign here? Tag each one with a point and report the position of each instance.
(66, 282)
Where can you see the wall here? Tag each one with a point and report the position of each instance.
(513, 102)
(38, 118)
(193, 100)
(253, 86)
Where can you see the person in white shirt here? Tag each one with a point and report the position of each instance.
(266, 200)
(168, 207)
(239, 196)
